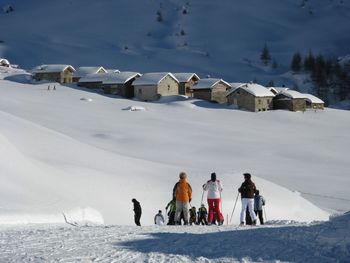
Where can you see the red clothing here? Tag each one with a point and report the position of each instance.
(214, 204)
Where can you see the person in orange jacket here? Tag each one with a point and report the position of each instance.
(182, 193)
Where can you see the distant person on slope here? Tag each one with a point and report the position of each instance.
(259, 202)
(172, 209)
(247, 191)
(159, 218)
(137, 211)
(214, 188)
(182, 193)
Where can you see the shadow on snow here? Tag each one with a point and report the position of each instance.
(326, 242)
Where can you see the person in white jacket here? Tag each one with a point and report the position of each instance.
(214, 189)
(159, 218)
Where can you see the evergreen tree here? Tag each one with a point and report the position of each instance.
(265, 55)
(309, 62)
(296, 62)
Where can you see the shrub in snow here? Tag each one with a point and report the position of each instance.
(7, 9)
(159, 16)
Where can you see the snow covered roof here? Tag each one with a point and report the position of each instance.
(253, 88)
(185, 77)
(83, 71)
(312, 99)
(51, 68)
(112, 70)
(293, 94)
(278, 89)
(93, 78)
(208, 83)
(4, 61)
(120, 78)
(153, 78)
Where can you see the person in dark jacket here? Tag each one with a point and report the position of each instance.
(137, 211)
(247, 191)
(202, 215)
(259, 202)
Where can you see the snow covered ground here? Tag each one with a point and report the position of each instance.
(316, 243)
(85, 155)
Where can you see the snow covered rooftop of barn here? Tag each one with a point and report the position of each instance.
(113, 70)
(313, 99)
(185, 77)
(153, 78)
(120, 78)
(51, 68)
(253, 88)
(293, 94)
(208, 83)
(83, 71)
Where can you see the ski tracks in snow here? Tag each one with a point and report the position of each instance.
(323, 242)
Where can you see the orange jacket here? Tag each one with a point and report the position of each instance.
(182, 191)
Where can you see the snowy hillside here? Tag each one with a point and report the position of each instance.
(221, 38)
(84, 154)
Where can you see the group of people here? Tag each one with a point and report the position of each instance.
(181, 211)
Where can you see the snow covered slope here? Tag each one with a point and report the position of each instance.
(75, 150)
(318, 243)
(221, 38)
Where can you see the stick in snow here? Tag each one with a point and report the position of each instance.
(69, 223)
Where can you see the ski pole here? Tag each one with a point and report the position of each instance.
(221, 203)
(202, 197)
(234, 207)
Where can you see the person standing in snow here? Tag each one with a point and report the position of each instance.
(159, 218)
(259, 202)
(214, 188)
(182, 193)
(172, 209)
(202, 215)
(193, 215)
(247, 191)
(137, 211)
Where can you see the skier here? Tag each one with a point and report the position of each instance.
(137, 211)
(193, 215)
(159, 218)
(214, 189)
(247, 191)
(259, 202)
(172, 209)
(202, 215)
(182, 192)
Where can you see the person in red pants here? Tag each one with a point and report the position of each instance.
(214, 188)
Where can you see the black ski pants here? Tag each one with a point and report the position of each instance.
(259, 213)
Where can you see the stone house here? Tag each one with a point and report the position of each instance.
(186, 82)
(120, 83)
(250, 96)
(151, 86)
(290, 100)
(312, 102)
(4, 62)
(84, 71)
(210, 89)
(54, 72)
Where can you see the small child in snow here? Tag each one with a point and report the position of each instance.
(259, 202)
(193, 215)
(159, 218)
(202, 215)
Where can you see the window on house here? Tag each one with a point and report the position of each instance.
(259, 101)
(140, 91)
